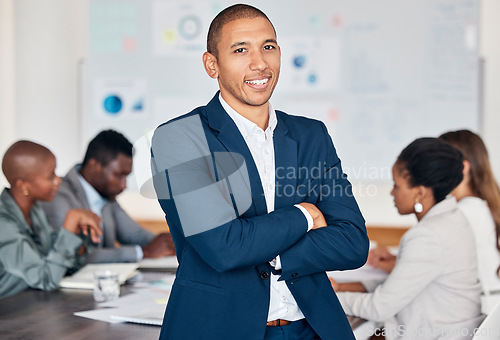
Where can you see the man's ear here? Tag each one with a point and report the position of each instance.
(94, 166)
(210, 64)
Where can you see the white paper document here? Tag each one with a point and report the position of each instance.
(166, 262)
(148, 316)
(145, 305)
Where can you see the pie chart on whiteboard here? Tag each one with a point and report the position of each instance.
(190, 27)
(113, 104)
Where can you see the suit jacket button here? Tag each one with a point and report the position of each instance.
(294, 274)
(264, 275)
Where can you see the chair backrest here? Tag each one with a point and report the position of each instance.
(489, 329)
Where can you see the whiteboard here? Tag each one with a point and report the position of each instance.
(378, 73)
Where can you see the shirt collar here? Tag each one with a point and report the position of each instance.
(246, 126)
(95, 200)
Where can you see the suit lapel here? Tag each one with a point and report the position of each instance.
(108, 239)
(77, 187)
(285, 155)
(108, 221)
(230, 137)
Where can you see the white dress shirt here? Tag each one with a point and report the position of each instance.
(94, 199)
(260, 143)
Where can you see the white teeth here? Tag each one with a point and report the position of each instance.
(258, 82)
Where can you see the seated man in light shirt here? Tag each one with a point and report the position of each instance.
(94, 185)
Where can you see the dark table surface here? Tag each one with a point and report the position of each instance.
(36, 314)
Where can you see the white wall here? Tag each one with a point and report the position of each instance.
(39, 92)
(490, 50)
(7, 78)
(48, 45)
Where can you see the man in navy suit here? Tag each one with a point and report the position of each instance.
(257, 203)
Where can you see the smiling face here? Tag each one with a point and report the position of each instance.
(247, 65)
(404, 194)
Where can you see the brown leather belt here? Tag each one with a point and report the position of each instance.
(279, 322)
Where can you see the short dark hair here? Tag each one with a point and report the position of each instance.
(238, 11)
(434, 164)
(106, 146)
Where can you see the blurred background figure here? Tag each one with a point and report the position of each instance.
(478, 198)
(433, 287)
(32, 254)
(94, 185)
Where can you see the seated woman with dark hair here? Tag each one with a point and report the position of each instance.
(433, 291)
(32, 253)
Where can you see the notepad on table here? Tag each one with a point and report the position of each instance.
(168, 263)
(84, 278)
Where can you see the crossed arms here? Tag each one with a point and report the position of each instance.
(198, 188)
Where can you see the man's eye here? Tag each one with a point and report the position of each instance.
(239, 50)
(269, 47)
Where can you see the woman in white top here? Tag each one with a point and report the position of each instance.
(433, 291)
(478, 198)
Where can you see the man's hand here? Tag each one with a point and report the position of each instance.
(162, 245)
(317, 216)
(84, 221)
(382, 259)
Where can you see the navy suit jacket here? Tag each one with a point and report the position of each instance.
(222, 284)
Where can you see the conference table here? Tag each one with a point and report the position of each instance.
(36, 314)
